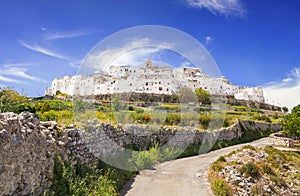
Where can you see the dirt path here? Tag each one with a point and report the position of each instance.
(182, 177)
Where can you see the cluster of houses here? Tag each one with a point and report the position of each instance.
(150, 79)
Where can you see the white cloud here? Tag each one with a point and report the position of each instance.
(8, 80)
(225, 7)
(135, 52)
(208, 40)
(63, 35)
(185, 64)
(284, 93)
(14, 70)
(42, 50)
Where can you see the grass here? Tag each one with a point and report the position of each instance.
(277, 168)
(220, 187)
(250, 170)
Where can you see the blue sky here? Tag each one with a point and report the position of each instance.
(254, 42)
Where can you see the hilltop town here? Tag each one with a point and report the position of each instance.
(150, 79)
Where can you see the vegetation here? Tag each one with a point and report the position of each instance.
(186, 95)
(285, 109)
(11, 101)
(250, 169)
(291, 122)
(105, 180)
(80, 180)
(220, 187)
(203, 96)
(280, 167)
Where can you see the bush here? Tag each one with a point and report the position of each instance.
(266, 169)
(146, 159)
(291, 122)
(275, 116)
(25, 107)
(250, 169)
(79, 180)
(173, 119)
(139, 110)
(11, 101)
(262, 118)
(240, 108)
(168, 107)
(57, 105)
(204, 120)
(80, 106)
(221, 188)
(130, 108)
(64, 117)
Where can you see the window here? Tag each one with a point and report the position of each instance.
(160, 88)
(146, 83)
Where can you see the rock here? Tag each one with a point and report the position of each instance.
(60, 143)
(286, 167)
(24, 156)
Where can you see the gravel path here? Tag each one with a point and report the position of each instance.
(182, 177)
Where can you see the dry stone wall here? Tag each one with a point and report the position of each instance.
(28, 146)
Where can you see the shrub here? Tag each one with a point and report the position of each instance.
(11, 101)
(168, 107)
(266, 169)
(173, 119)
(250, 169)
(64, 117)
(146, 159)
(204, 120)
(275, 116)
(249, 147)
(139, 110)
(240, 108)
(25, 107)
(258, 188)
(262, 118)
(221, 188)
(203, 96)
(221, 159)
(291, 122)
(130, 108)
(80, 106)
(278, 181)
(79, 180)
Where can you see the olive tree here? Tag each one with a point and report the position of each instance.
(291, 122)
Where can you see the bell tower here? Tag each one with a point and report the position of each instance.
(148, 63)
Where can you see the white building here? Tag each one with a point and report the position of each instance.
(150, 79)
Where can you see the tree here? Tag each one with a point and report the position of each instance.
(11, 101)
(291, 122)
(186, 95)
(285, 109)
(80, 106)
(116, 104)
(203, 96)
